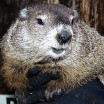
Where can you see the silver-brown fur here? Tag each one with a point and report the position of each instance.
(28, 44)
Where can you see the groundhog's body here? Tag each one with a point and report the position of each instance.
(32, 41)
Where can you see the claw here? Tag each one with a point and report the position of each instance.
(50, 92)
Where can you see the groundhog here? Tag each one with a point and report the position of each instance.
(52, 37)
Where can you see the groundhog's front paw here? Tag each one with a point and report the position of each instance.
(52, 91)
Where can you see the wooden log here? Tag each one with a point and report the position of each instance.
(92, 12)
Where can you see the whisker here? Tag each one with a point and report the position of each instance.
(77, 41)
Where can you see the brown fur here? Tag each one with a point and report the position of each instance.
(9, 10)
(84, 61)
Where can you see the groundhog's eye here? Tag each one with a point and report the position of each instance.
(40, 22)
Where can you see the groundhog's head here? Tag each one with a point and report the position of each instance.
(43, 32)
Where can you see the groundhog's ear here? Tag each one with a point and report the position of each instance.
(74, 16)
(23, 14)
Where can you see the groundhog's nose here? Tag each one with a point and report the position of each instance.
(63, 37)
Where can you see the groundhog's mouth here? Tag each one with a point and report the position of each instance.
(57, 51)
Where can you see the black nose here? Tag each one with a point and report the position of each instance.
(63, 37)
